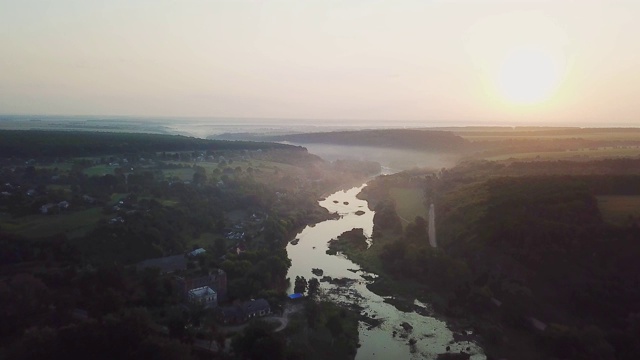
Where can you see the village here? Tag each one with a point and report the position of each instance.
(206, 290)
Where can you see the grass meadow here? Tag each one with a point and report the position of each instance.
(71, 223)
(409, 203)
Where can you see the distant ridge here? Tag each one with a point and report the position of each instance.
(35, 143)
(413, 139)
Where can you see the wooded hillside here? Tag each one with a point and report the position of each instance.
(33, 143)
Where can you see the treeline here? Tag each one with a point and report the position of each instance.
(515, 145)
(413, 139)
(34, 144)
(525, 131)
(470, 170)
(105, 312)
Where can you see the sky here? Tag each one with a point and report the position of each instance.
(520, 61)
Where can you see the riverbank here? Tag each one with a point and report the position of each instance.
(412, 269)
(323, 330)
(345, 283)
(405, 295)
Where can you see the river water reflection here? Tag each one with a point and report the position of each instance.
(432, 336)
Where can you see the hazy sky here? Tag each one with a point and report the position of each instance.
(540, 62)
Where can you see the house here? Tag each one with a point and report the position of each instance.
(45, 209)
(216, 280)
(88, 199)
(241, 247)
(256, 308)
(230, 315)
(203, 295)
(243, 312)
(197, 252)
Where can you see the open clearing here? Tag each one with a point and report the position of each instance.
(409, 203)
(617, 208)
(99, 170)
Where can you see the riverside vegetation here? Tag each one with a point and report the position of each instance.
(525, 254)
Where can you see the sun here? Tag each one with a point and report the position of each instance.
(528, 76)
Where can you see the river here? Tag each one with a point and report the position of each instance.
(432, 335)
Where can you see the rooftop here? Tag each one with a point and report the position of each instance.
(201, 291)
(255, 305)
(197, 252)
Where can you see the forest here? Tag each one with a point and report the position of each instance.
(37, 143)
(525, 258)
(541, 247)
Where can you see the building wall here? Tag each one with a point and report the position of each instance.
(216, 281)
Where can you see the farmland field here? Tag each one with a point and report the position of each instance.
(61, 166)
(183, 174)
(617, 208)
(71, 223)
(99, 170)
(613, 134)
(581, 154)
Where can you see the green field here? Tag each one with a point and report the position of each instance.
(484, 134)
(409, 203)
(185, 174)
(55, 187)
(61, 166)
(99, 170)
(267, 167)
(617, 208)
(70, 223)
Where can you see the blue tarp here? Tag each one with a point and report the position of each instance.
(295, 296)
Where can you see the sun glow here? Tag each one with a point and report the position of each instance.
(528, 76)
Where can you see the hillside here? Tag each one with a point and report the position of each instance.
(539, 257)
(539, 248)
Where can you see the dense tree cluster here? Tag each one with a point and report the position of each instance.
(539, 246)
(523, 246)
(386, 218)
(37, 144)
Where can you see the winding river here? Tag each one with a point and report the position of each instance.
(431, 335)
